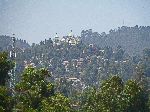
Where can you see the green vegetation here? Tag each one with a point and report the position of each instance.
(72, 75)
(115, 96)
(5, 66)
(5, 99)
(34, 93)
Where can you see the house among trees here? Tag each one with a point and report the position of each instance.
(70, 39)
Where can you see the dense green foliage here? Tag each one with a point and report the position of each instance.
(132, 39)
(5, 66)
(85, 77)
(6, 42)
(36, 93)
(113, 53)
(114, 96)
(6, 101)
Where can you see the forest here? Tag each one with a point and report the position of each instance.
(88, 73)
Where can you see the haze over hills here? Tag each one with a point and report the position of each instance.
(77, 63)
(34, 19)
(75, 56)
(56, 52)
(132, 39)
(6, 42)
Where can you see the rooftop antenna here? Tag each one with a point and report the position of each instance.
(12, 72)
(123, 22)
(70, 34)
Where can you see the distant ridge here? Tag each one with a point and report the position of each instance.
(132, 39)
(5, 42)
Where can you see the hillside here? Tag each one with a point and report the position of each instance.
(5, 42)
(132, 39)
(71, 57)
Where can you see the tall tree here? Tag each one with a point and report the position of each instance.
(36, 93)
(135, 98)
(5, 98)
(114, 96)
(5, 66)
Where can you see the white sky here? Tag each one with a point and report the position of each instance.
(35, 20)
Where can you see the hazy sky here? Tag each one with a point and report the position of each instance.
(35, 20)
